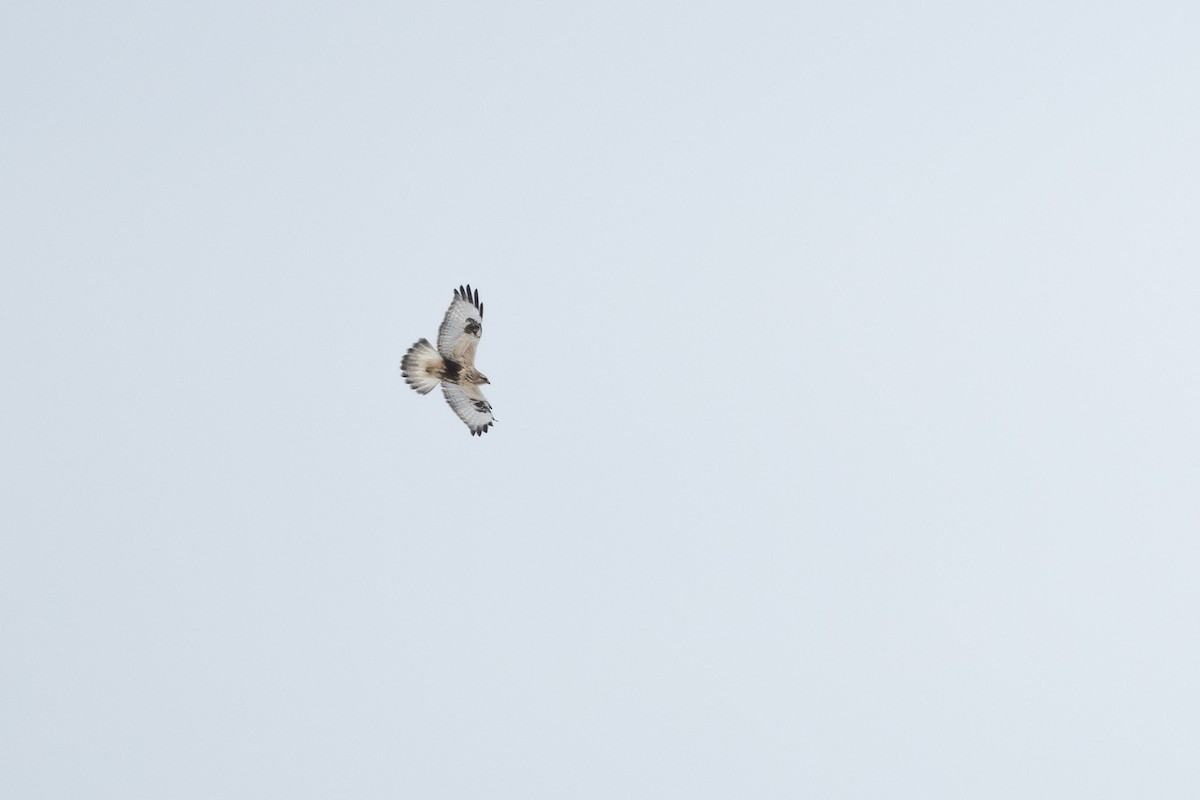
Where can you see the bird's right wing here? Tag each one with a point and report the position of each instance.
(459, 335)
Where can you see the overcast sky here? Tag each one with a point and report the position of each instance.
(845, 357)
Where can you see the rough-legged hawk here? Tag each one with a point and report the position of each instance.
(452, 364)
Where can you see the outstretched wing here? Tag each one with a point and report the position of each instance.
(459, 335)
(470, 405)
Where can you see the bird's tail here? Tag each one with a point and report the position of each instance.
(421, 366)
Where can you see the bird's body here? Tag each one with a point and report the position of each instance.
(452, 363)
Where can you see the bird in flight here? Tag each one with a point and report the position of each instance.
(452, 364)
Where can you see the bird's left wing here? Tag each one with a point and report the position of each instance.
(459, 335)
(471, 406)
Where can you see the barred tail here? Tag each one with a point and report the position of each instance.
(421, 367)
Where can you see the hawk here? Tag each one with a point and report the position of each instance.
(452, 364)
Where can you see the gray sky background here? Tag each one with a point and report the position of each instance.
(845, 357)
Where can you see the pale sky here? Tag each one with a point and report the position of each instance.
(845, 357)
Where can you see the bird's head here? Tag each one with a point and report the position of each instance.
(483, 378)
